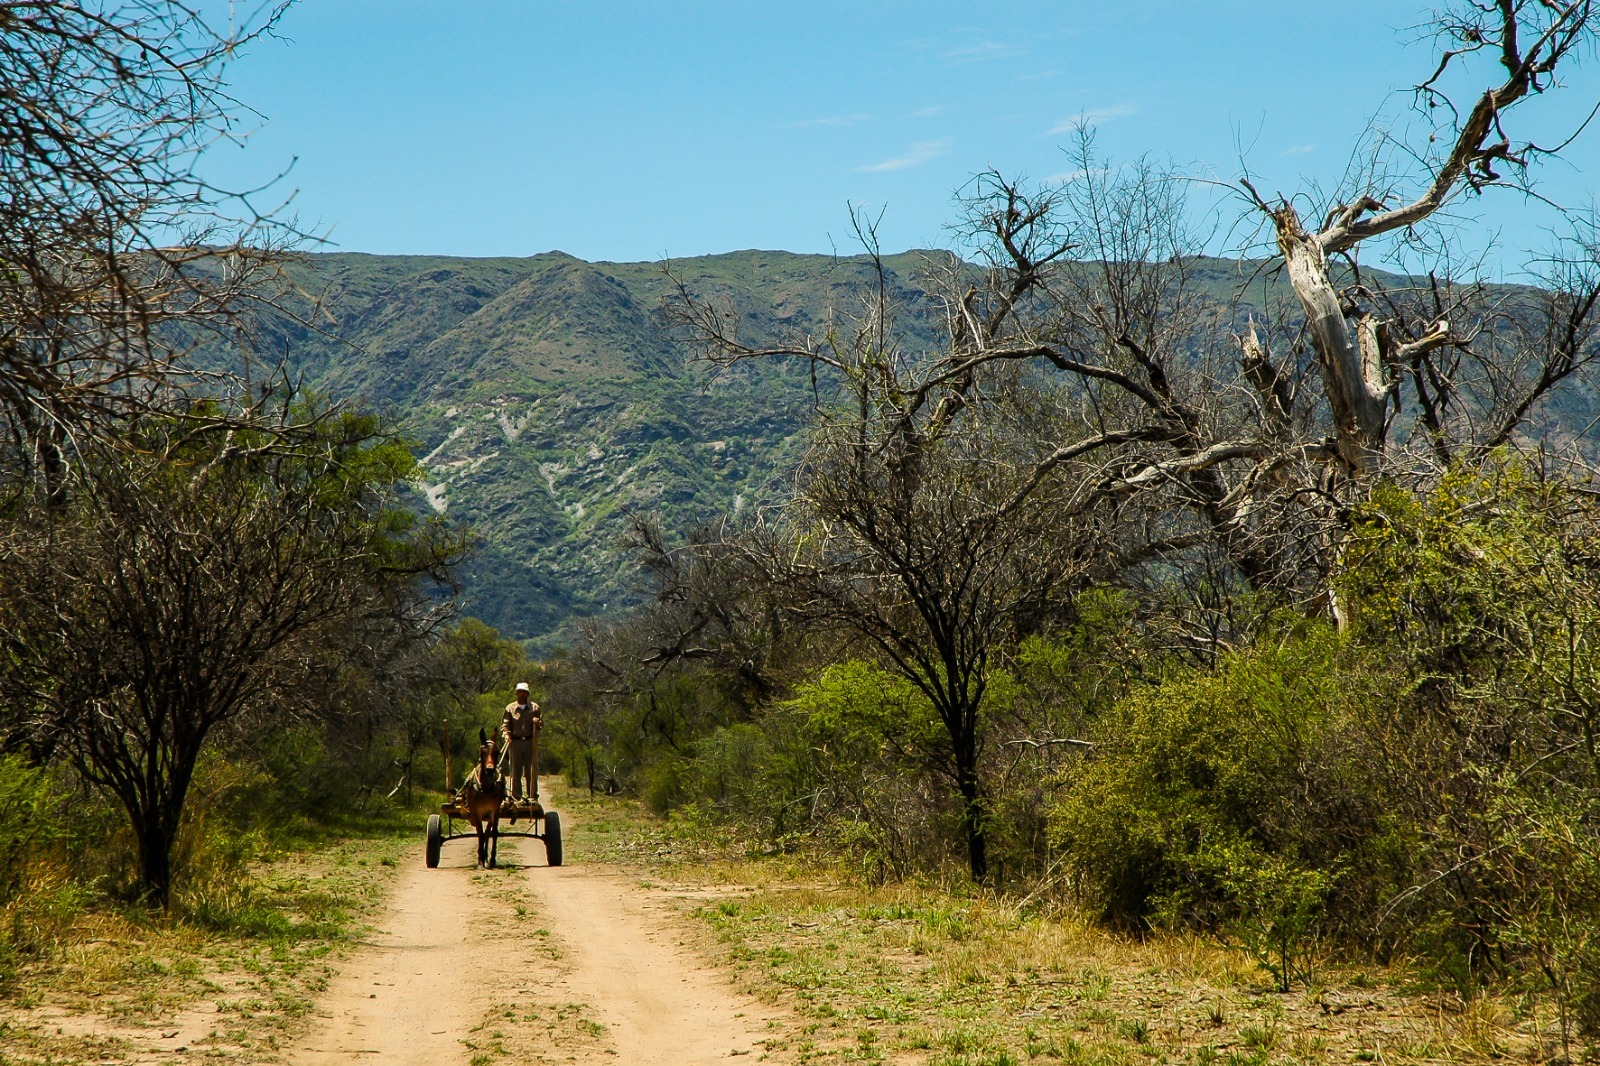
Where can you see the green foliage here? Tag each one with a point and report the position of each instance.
(1227, 800)
(862, 711)
(1483, 592)
(865, 747)
(1058, 685)
(1470, 574)
(1422, 784)
(732, 768)
(1548, 867)
(1279, 911)
(666, 783)
(25, 825)
(69, 853)
(846, 760)
(1481, 599)
(38, 897)
(1083, 670)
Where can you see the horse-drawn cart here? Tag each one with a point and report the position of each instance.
(543, 825)
(482, 805)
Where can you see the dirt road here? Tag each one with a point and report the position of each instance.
(572, 964)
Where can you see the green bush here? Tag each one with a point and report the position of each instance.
(1056, 687)
(43, 823)
(866, 750)
(847, 761)
(1484, 594)
(1228, 801)
(667, 783)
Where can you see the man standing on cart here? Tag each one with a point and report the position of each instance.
(517, 728)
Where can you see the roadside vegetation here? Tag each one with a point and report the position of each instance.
(1266, 626)
(255, 929)
(932, 969)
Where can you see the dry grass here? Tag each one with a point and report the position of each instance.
(941, 976)
(229, 982)
(910, 974)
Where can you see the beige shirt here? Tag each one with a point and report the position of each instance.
(521, 720)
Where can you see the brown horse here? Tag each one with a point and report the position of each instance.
(481, 795)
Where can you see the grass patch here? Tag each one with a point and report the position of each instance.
(943, 975)
(231, 970)
(553, 1032)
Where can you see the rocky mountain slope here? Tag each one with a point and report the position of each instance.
(550, 397)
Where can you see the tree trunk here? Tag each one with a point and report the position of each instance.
(1352, 369)
(156, 813)
(972, 812)
(156, 838)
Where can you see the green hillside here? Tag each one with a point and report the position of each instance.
(549, 397)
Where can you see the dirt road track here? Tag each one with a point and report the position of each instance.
(450, 964)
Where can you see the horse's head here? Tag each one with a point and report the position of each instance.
(487, 753)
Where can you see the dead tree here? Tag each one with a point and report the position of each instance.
(1365, 356)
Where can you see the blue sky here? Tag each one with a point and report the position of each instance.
(639, 130)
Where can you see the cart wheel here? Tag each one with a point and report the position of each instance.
(552, 838)
(435, 839)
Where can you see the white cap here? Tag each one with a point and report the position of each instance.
(522, 686)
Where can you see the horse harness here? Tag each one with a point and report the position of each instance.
(475, 779)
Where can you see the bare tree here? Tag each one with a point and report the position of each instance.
(117, 257)
(1365, 355)
(1098, 405)
(933, 534)
(1249, 422)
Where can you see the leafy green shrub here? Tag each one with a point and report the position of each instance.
(870, 746)
(1228, 801)
(1279, 912)
(1484, 593)
(730, 768)
(1056, 686)
(1544, 869)
(667, 783)
(848, 760)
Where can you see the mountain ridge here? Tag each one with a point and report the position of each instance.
(549, 398)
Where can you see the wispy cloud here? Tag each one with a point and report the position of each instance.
(1067, 176)
(984, 51)
(919, 153)
(1094, 116)
(1299, 149)
(930, 112)
(828, 120)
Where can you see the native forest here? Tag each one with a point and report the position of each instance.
(1084, 572)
